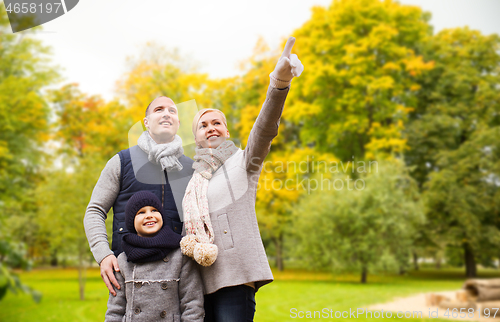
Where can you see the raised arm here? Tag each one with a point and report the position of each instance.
(266, 126)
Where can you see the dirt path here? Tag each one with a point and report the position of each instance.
(417, 303)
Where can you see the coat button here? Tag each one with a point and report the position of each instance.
(121, 229)
(165, 259)
(163, 314)
(137, 310)
(138, 285)
(225, 231)
(164, 286)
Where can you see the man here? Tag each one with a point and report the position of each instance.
(156, 164)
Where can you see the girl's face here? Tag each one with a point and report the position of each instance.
(148, 221)
(211, 131)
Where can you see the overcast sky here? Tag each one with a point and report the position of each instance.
(92, 41)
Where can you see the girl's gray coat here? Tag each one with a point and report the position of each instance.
(166, 290)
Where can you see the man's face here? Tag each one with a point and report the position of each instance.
(162, 120)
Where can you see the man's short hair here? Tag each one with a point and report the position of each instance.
(147, 108)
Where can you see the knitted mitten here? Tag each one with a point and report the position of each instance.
(187, 245)
(288, 67)
(204, 254)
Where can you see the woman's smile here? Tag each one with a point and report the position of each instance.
(211, 131)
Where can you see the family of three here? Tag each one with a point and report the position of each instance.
(186, 244)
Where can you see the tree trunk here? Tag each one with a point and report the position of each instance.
(82, 274)
(438, 262)
(415, 261)
(53, 258)
(278, 242)
(364, 273)
(470, 261)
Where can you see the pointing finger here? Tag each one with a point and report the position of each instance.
(288, 47)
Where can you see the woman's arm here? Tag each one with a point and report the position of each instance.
(266, 126)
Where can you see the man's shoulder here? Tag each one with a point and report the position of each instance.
(136, 149)
(137, 155)
(128, 150)
(133, 152)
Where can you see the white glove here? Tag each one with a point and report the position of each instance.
(288, 67)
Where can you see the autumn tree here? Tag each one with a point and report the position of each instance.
(362, 60)
(365, 228)
(24, 73)
(362, 57)
(86, 133)
(453, 140)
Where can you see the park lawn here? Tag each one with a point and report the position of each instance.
(302, 290)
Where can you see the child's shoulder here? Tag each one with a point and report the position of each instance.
(174, 259)
(122, 262)
(122, 257)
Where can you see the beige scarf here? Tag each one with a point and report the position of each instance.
(198, 242)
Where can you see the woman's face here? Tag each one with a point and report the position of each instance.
(211, 131)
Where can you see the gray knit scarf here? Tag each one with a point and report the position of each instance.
(165, 154)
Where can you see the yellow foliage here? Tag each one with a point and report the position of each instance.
(391, 66)
(4, 151)
(416, 65)
(382, 83)
(298, 110)
(415, 87)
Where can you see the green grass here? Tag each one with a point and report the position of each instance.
(305, 291)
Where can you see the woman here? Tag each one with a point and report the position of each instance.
(219, 204)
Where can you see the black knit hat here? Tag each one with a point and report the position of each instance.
(136, 202)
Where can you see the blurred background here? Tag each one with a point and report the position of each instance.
(383, 182)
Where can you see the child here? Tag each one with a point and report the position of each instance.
(157, 282)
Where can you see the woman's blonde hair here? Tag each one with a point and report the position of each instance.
(201, 113)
